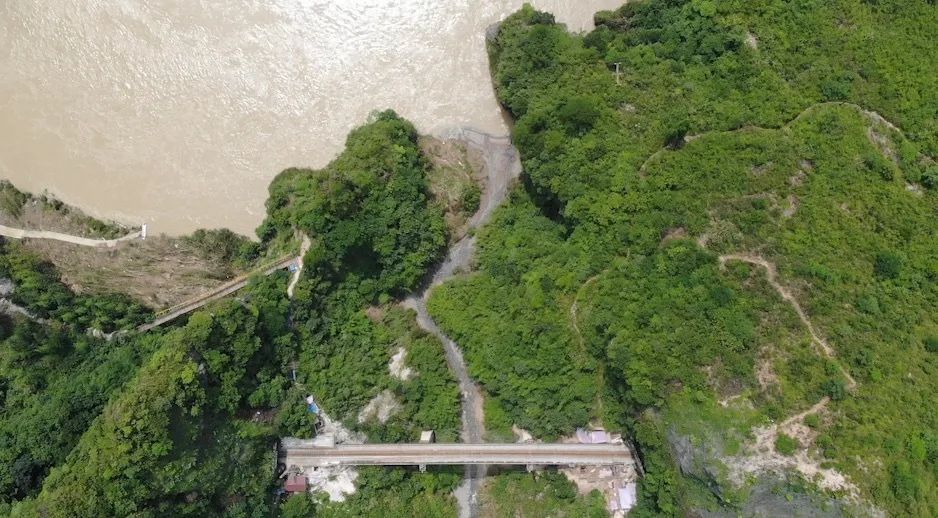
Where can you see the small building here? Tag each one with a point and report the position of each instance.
(296, 483)
(427, 437)
(592, 436)
(624, 498)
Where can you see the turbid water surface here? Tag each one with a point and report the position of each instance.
(178, 113)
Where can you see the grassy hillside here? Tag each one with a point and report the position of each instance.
(752, 160)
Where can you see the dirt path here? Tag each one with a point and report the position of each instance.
(824, 349)
(18, 233)
(872, 115)
(304, 247)
(220, 292)
(762, 455)
(503, 166)
(574, 319)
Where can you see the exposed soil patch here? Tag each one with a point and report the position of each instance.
(797, 179)
(760, 456)
(304, 247)
(883, 143)
(761, 169)
(158, 271)
(456, 180)
(28, 211)
(674, 233)
(375, 313)
(765, 374)
(792, 206)
(398, 367)
(381, 407)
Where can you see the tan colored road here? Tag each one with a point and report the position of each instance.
(18, 233)
(456, 453)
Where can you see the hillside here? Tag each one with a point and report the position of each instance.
(729, 249)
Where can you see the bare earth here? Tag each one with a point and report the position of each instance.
(502, 167)
(760, 455)
(158, 272)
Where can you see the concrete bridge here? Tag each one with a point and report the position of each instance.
(294, 454)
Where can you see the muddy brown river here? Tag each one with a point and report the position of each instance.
(178, 113)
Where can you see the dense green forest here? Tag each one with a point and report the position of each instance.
(184, 421)
(631, 279)
(732, 239)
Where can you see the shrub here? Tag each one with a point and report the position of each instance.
(931, 344)
(888, 265)
(812, 421)
(579, 114)
(786, 445)
(470, 198)
(835, 389)
(930, 177)
(12, 199)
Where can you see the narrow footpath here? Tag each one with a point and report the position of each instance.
(304, 247)
(18, 233)
(823, 348)
(502, 166)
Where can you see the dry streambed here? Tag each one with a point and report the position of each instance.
(501, 166)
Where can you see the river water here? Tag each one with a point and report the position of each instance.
(178, 113)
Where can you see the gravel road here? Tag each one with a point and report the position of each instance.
(502, 167)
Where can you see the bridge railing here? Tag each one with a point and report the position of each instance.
(282, 262)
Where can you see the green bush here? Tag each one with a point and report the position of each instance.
(470, 198)
(887, 265)
(786, 445)
(931, 344)
(812, 421)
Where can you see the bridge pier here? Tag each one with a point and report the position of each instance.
(423, 468)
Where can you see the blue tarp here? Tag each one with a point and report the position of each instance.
(313, 408)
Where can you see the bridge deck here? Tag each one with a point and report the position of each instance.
(456, 454)
(220, 292)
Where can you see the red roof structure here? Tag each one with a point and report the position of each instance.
(296, 483)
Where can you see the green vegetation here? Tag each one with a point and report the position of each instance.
(546, 494)
(184, 423)
(53, 383)
(735, 128)
(375, 231)
(398, 492)
(224, 246)
(39, 290)
(170, 442)
(786, 445)
(21, 209)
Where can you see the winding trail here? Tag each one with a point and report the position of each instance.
(574, 308)
(872, 115)
(598, 407)
(503, 166)
(304, 247)
(824, 349)
(18, 233)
